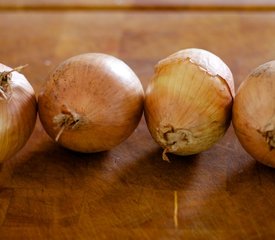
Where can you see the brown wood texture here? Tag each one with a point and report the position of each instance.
(47, 192)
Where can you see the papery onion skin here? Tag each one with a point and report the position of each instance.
(254, 114)
(99, 95)
(18, 111)
(188, 102)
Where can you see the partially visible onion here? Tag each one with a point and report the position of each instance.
(188, 101)
(254, 114)
(91, 103)
(18, 110)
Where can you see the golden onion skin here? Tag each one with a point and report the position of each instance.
(254, 114)
(17, 114)
(98, 96)
(188, 101)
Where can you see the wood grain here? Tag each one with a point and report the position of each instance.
(47, 192)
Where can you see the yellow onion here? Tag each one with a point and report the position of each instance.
(18, 110)
(254, 114)
(91, 102)
(188, 101)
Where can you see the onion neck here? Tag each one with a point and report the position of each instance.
(66, 120)
(173, 139)
(5, 90)
(5, 78)
(268, 132)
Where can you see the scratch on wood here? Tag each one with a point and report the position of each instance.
(176, 209)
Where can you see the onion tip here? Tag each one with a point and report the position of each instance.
(60, 133)
(164, 155)
(3, 94)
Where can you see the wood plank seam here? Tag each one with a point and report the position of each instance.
(247, 8)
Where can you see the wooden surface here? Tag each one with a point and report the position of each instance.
(47, 192)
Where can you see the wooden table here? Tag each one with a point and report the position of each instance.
(47, 192)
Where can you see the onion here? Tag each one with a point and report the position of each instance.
(188, 101)
(254, 114)
(91, 102)
(18, 110)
